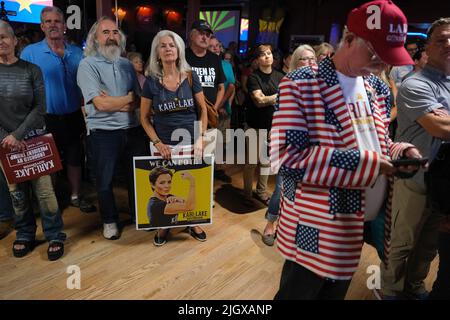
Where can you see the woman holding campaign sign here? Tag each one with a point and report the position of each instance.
(163, 207)
(23, 107)
(170, 96)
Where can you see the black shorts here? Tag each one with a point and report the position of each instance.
(68, 131)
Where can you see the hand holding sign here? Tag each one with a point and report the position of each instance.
(11, 143)
(30, 159)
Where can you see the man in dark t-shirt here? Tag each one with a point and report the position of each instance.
(208, 67)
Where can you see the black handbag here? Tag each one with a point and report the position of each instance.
(437, 180)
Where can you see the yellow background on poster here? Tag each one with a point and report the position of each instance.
(180, 188)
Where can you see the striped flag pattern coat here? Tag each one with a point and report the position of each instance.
(313, 146)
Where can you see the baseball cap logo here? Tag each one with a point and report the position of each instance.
(398, 28)
(397, 32)
(384, 26)
(374, 20)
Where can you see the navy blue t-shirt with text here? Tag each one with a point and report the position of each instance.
(172, 109)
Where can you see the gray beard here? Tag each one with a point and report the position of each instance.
(111, 52)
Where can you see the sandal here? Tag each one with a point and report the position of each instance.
(55, 254)
(28, 246)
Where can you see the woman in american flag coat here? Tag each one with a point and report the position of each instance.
(324, 173)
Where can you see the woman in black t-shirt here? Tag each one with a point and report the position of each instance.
(163, 207)
(262, 87)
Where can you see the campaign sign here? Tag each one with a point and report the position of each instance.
(173, 193)
(38, 159)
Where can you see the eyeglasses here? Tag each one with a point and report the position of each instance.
(310, 59)
(374, 56)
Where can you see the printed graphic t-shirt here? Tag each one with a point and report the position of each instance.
(173, 109)
(209, 71)
(366, 136)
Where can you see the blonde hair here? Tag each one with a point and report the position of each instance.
(91, 48)
(154, 68)
(323, 48)
(296, 55)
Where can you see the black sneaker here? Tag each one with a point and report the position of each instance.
(83, 205)
(220, 175)
(198, 236)
(160, 238)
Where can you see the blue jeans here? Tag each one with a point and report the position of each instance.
(274, 203)
(108, 148)
(441, 287)
(6, 208)
(25, 221)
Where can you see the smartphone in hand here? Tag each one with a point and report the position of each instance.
(409, 162)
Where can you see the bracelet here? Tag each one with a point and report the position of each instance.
(156, 141)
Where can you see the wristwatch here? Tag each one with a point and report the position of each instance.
(156, 141)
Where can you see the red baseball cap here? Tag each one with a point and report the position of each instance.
(384, 25)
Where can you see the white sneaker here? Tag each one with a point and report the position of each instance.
(110, 231)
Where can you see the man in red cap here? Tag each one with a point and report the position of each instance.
(330, 143)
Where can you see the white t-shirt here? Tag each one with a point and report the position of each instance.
(366, 136)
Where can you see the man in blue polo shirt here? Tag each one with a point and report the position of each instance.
(59, 62)
(110, 89)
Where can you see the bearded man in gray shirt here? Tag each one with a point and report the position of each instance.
(110, 87)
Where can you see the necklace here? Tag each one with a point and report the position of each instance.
(177, 87)
(177, 84)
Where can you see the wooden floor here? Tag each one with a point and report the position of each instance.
(232, 264)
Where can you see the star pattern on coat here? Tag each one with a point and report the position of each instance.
(290, 179)
(348, 159)
(328, 73)
(297, 138)
(307, 238)
(330, 118)
(345, 201)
